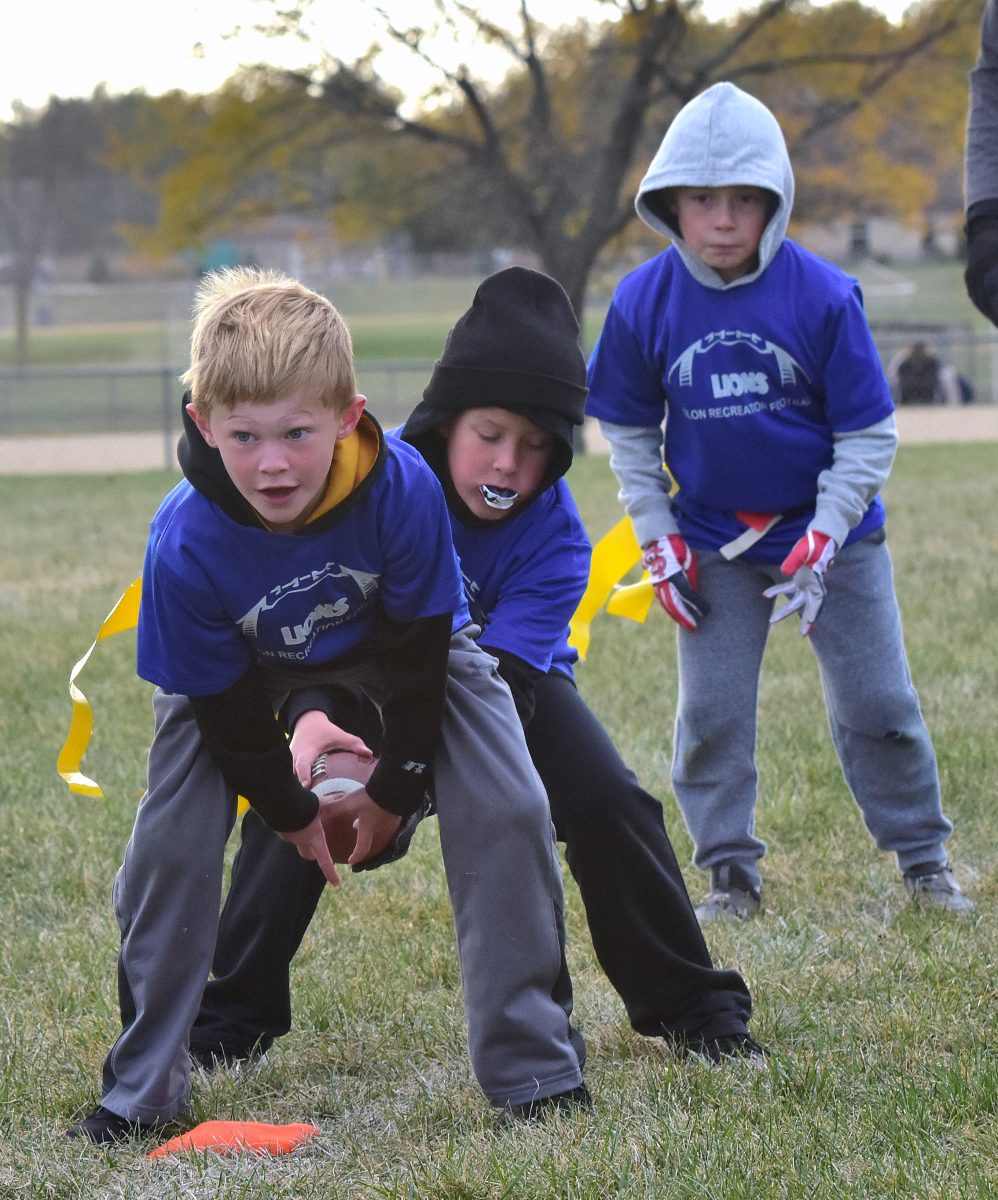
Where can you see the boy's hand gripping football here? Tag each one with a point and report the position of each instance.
(807, 562)
(310, 843)
(672, 566)
(313, 734)
(373, 826)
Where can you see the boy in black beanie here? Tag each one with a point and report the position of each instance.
(496, 425)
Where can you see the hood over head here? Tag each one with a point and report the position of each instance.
(723, 138)
(516, 348)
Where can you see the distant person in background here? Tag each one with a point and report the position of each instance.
(918, 376)
(981, 184)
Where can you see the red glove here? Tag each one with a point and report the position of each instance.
(814, 550)
(807, 562)
(672, 566)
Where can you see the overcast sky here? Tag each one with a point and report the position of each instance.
(67, 47)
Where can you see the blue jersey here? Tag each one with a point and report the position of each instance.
(219, 595)
(525, 576)
(752, 381)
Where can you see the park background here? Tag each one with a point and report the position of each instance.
(391, 156)
(882, 1078)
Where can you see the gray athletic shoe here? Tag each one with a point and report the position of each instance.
(936, 887)
(732, 896)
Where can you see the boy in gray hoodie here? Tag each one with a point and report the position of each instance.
(779, 434)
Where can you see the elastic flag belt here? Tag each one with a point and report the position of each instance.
(757, 526)
(617, 552)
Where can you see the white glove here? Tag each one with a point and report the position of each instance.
(807, 562)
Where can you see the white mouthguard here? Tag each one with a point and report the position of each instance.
(497, 497)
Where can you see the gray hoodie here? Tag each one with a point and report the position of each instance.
(723, 138)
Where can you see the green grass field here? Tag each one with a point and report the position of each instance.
(149, 323)
(882, 1078)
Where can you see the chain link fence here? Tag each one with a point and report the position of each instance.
(116, 418)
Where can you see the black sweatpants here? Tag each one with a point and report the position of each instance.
(644, 931)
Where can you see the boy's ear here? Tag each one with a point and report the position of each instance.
(351, 416)
(202, 425)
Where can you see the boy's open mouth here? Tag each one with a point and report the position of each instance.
(498, 497)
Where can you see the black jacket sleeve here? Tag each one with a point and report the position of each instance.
(305, 700)
(981, 270)
(413, 660)
(249, 746)
(343, 704)
(520, 677)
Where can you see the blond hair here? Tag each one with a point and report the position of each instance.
(260, 335)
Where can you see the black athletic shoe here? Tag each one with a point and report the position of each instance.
(727, 1047)
(104, 1127)
(221, 1058)
(544, 1106)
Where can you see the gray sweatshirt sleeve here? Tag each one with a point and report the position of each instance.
(636, 460)
(981, 160)
(861, 463)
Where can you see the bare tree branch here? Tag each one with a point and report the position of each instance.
(554, 152)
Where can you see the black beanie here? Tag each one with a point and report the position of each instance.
(516, 348)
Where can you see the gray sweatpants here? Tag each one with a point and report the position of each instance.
(503, 876)
(876, 722)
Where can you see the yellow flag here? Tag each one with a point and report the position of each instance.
(124, 615)
(632, 600)
(613, 556)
